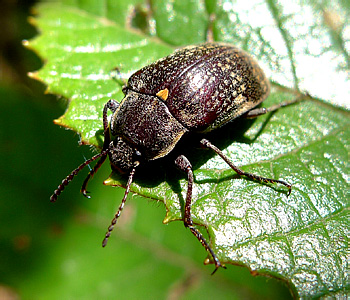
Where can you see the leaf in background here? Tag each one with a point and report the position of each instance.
(301, 239)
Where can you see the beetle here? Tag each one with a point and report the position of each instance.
(196, 89)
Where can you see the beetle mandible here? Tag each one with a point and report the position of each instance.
(195, 89)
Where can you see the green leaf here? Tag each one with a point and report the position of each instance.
(81, 51)
(301, 239)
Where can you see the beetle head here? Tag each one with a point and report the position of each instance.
(121, 155)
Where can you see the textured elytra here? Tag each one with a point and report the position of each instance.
(209, 84)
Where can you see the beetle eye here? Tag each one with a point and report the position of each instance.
(121, 155)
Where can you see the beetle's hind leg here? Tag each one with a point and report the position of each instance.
(256, 112)
(183, 164)
(207, 144)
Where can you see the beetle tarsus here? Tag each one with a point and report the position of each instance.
(217, 266)
(85, 193)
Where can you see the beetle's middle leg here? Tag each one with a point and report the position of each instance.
(110, 105)
(208, 144)
(183, 164)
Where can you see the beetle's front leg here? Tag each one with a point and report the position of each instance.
(110, 105)
(183, 164)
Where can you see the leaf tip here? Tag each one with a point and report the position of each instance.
(31, 20)
(108, 181)
(25, 43)
(169, 218)
(58, 121)
(113, 181)
(33, 75)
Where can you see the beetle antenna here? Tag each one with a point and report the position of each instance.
(121, 206)
(70, 177)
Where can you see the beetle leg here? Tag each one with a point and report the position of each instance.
(183, 164)
(256, 112)
(111, 105)
(207, 144)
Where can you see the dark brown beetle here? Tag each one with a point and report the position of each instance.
(195, 89)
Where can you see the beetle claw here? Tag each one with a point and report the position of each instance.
(85, 194)
(217, 266)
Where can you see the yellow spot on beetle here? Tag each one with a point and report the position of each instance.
(163, 94)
